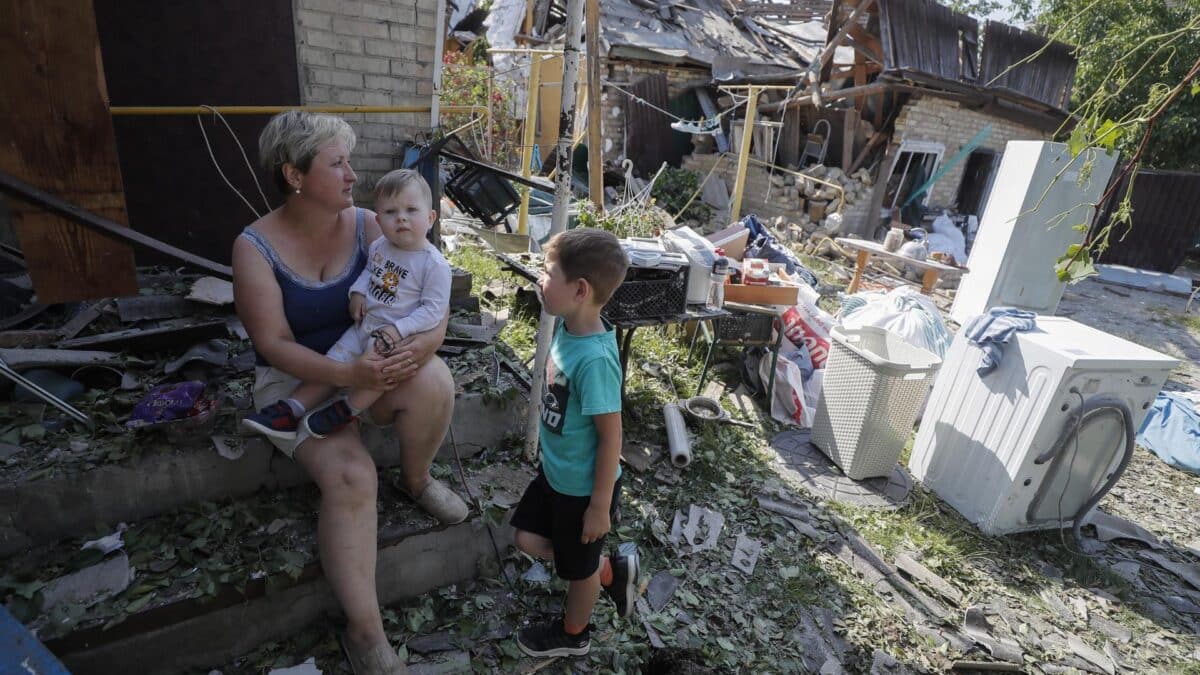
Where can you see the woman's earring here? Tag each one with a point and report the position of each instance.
(297, 190)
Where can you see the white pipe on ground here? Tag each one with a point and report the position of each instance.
(678, 443)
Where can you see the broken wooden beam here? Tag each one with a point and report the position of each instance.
(19, 189)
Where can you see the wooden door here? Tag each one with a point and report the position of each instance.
(56, 134)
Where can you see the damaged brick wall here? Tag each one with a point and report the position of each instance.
(369, 53)
(937, 120)
(624, 72)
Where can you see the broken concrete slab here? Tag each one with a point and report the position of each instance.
(1110, 628)
(90, 585)
(1095, 657)
(1110, 527)
(915, 570)
(977, 627)
(640, 456)
(662, 586)
(68, 504)
(504, 483)
(1185, 571)
(745, 553)
(152, 308)
(227, 629)
(211, 291)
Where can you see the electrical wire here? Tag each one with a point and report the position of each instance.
(245, 157)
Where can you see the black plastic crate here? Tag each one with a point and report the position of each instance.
(745, 326)
(648, 293)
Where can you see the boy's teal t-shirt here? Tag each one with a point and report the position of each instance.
(583, 378)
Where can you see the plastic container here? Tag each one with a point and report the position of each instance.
(875, 383)
(716, 291)
(700, 253)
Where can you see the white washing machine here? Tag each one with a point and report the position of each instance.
(1002, 448)
(1039, 195)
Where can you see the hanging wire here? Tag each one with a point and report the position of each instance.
(245, 158)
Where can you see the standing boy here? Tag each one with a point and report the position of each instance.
(569, 506)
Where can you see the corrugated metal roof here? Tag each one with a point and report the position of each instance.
(696, 36)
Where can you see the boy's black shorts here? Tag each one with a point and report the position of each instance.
(559, 518)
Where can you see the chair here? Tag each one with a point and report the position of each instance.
(746, 325)
(816, 144)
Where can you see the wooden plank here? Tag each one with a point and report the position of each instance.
(58, 136)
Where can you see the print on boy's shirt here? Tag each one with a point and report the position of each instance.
(385, 277)
(555, 394)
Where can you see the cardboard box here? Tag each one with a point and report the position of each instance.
(732, 240)
(782, 294)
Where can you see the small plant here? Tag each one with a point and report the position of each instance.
(672, 191)
(634, 220)
(468, 82)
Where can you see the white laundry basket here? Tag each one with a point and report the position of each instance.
(875, 383)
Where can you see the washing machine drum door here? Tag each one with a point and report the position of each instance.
(1086, 460)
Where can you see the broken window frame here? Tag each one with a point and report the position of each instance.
(913, 148)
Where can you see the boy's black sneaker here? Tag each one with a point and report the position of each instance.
(276, 420)
(623, 589)
(333, 417)
(551, 639)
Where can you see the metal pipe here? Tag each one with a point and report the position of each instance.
(558, 217)
(532, 96)
(46, 396)
(739, 186)
(168, 110)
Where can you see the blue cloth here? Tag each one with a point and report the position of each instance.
(991, 331)
(21, 652)
(583, 379)
(763, 245)
(318, 312)
(1171, 430)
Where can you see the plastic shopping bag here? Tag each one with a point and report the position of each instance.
(902, 311)
(797, 385)
(809, 325)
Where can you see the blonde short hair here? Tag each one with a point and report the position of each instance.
(295, 137)
(395, 182)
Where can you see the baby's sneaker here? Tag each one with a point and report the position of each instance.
(276, 420)
(333, 417)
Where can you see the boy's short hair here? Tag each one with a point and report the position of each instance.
(594, 255)
(395, 182)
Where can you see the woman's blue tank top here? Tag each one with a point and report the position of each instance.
(318, 312)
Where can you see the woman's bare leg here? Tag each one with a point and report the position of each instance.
(420, 410)
(347, 527)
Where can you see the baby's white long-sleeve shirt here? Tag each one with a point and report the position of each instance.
(406, 289)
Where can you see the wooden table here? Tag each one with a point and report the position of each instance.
(866, 249)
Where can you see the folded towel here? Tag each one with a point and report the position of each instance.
(991, 331)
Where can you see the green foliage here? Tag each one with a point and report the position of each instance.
(634, 220)
(1132, 53)
(1018, 11)
(674, 188)
(466, 81)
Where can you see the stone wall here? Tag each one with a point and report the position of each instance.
(937, 120)
(369, 52)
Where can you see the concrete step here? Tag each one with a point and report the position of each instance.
(215, 579)
(161, 476)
